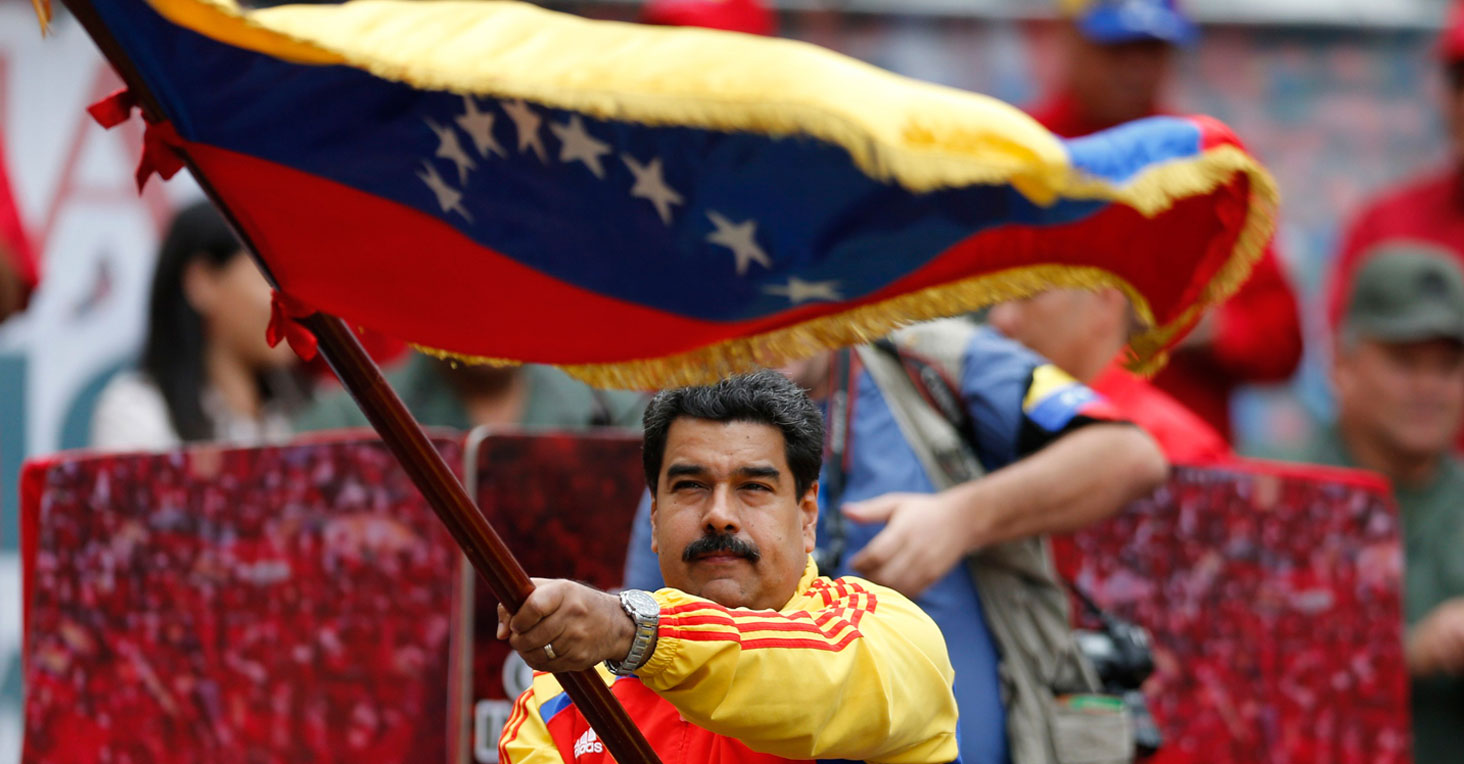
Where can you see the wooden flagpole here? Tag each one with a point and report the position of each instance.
(405, 438)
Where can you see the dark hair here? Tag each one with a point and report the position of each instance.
(173, 354)
(1454, 74)
(763, 397)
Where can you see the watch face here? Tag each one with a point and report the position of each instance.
(640, 603)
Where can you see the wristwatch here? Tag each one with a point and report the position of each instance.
(646, 613)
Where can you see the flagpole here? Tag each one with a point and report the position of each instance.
(406, 439)
(482, 545)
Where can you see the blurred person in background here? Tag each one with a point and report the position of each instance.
(442, 393)
(749, 16)
(1117, 60)
(1426, 209)
(1084, 333)
(18, 271)
(206, 372)
(1399, 377)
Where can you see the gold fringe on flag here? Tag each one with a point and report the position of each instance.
(43, 15)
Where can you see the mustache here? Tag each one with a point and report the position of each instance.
(721, 542)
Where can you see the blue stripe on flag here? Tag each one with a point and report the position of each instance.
(1117, 155)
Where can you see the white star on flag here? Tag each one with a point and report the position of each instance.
(527, 123)
(580, 146)
(799, 291)
(449, 198)
(450, 149)
(741, 238)
(479, 126)
(650, 184)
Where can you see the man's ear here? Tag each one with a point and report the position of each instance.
(655, 548)
(1343, 361)
(808, 516)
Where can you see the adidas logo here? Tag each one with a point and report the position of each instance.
(588, 743)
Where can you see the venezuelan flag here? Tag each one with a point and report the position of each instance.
(643, 206)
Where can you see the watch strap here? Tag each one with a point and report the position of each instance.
(646, 615)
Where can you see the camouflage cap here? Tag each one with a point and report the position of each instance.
(1406, 291)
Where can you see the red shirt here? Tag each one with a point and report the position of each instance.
(1430, 209)
(1182, 436)
(1257, 331)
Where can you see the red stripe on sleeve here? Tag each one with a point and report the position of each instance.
(511, 727)
(829, 645)
(801, 644)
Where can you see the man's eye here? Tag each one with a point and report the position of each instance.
(756, 487)
(682, 485)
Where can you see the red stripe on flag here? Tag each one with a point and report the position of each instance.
(410, 275)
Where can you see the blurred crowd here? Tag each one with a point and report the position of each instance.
(1394, 310)
(304, 617)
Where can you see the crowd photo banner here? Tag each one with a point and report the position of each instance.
(566, 505)
(1273, 594)
(309, 608)
(289, 604)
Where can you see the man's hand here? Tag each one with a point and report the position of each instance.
(581, 626)
(1436, 644)
(922, 540)
(1077, 480)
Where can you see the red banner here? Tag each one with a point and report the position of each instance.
(302, 604)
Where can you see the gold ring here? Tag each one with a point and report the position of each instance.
(549, 651)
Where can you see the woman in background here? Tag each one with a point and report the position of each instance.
(206, 372)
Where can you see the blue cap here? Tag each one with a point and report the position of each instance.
(1110, 22)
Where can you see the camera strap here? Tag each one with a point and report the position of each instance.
(830, 554)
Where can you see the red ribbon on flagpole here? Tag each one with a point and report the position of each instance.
(284, 312)
(161, 144)
(114, 109)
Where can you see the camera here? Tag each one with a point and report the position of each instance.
(1121, 655)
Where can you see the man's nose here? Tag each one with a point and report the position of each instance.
(721, 513)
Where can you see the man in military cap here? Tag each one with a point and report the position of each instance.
(1399, 379)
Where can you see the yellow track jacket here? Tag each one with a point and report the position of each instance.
(846, 670)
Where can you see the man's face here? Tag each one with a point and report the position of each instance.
(726, 521)
(1403, 397)
(1119, 82)
(1058, 324)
